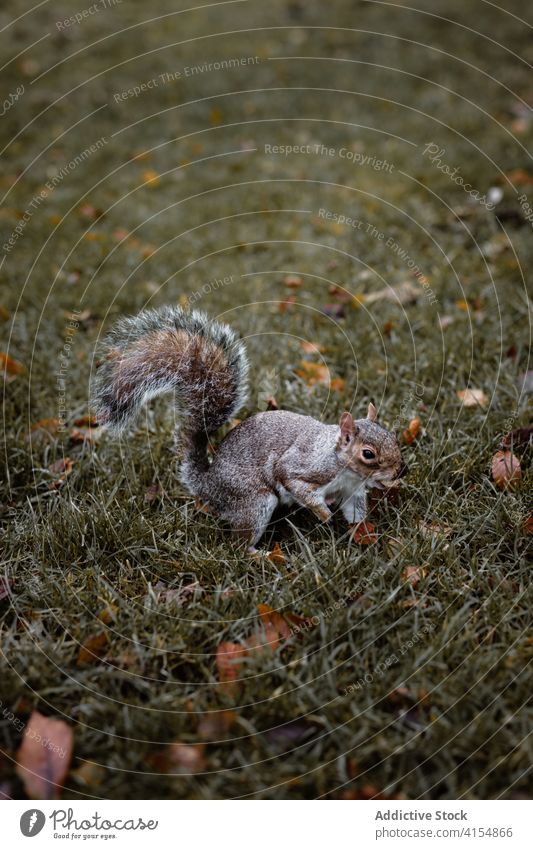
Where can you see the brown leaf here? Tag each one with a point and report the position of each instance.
(292, 281)
(270, 616)
(413, 574)
(11, 368)
(363, 534)
(505, 469)
(410, 434)
(229, 659)
(153, 492)
(520, 177)
(86, 421)
(86, 434)
(44, 757)
(337, 384)
(518, 438)
(528, 525)
(287, 304)
(213, 726)
(179, 759)
(276, 555)
(313, 373)
(44, 427)
(403, 294)
(151, 178)
(92, 649)
(473, 397)
(312, 348)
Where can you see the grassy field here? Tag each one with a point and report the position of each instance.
(154, 155)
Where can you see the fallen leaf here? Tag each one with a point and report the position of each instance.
(61, 469)
(473, 397)
(86, 434)
(292, 281)
(287, 304)
(229, 659)
(44, 756)
(213, 726)
(313, 373)
(388, 327)
(505, 469)
(10, 367)
(293, 733)
(312, 348)
(337, 384)
(151, 178)
(108, 614)
(520, 177)
(216, 116)
(528, 525)
(411, 432)
(405, 293)
(86, 421)
(153, 492)
(43, 427)
(414, 574)
(270, 616)
(5, 315)
(179, 759)
(92, 649)
(276, 556)
(518, 438)
(363, 534)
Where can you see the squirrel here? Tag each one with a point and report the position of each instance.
(271, 458)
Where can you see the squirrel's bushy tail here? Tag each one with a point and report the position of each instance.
(169, 349)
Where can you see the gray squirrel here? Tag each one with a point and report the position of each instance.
(274, 457)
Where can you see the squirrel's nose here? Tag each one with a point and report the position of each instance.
(404, 470)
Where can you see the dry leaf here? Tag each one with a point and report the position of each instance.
(405, 293)
(414, 574)
(313, 373)
(312, 348)
(86, 434)
(92, 649)
(276, 556)
(363, 533)
(505, 469)
(11, 368)
(86, 421)
(528, 525)
(151, 178)
(292, 281)
(473, 397)
(61, 469)
(44, 757)
(337, 384)
(229, 659)
(410, 434)
(213, 726)
(179, 759)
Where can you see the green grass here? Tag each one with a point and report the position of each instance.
(411, 691)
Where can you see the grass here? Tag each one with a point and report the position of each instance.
(407, 690)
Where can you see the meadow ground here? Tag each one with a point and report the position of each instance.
(165, 148)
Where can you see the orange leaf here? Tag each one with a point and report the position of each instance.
(276, 555)
(44, 757)
(291, 281)
(92, 649)
(312, 348)
(410, 434)
(313, 373)
(528, 525)
(151, 177)
(229, 658)
(337, 384)
(363, 534)
(270, 616)
(505, 469)
(11, 368)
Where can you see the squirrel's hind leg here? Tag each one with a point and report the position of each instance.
(250, 518)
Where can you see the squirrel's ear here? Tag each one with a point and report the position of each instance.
(372, 413)
(348, 429)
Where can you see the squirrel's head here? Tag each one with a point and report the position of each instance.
(370, 450)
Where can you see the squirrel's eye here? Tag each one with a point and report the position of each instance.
(368, 454)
